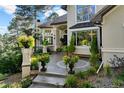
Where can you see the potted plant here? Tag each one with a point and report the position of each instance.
(44, 59)
(26, 43)
(45, 43)
(70, 61)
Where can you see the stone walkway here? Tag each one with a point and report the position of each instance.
(55, 75)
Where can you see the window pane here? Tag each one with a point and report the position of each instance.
(85, 12)
(83, 38)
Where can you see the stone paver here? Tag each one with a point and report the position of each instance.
(54, 76)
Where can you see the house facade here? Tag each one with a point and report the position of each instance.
(55, 32)
(85, 21)
(111, 19)
(79, 25)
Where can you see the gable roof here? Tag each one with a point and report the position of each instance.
(45, 25)
(82, 25)
(60, 20)
(98, 16)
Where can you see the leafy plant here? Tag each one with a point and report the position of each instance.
(71, 47)
(94, 57)
(86, 84)
(45, 42)
(34, 63)
(66, 60)
(85, 42)
(71, 81)
(117, 82)
(59, 49)
(10, 61)
(107, 70)
(26, 41)
(80, 75)
(44, 57)
(3, 76)
(26, 82)
(92, 70)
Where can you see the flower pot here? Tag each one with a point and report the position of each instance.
(43, 64)
(71, 71)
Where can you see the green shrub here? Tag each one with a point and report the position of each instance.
(44, 57)
(120, 76)
(107, 70)
(26, 82)
(3, 76)
(11, 61)
(117, 82)
(66, 60)
(80, 75)
(45, 42)
(60, 49)
(94, 58)
(26, 41)
(92, 70)
(71, 47)
(34, 63)
(71, 81)
(85, 42)
(86, 84)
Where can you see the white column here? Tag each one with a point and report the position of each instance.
(26, 62)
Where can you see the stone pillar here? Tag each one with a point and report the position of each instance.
(26, 52)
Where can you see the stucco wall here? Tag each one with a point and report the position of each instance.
(113, 33)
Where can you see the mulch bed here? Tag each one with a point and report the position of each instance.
(15, 78)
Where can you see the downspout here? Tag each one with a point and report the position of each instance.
(100, 50)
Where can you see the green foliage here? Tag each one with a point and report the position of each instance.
(107, 70)
(71, 81)
(26, 82)
(71, 47)
(34, 63)
(66, 60)
(94, 46)
(3, 76)
(60, 49)
(92, 71)
(10, 61)
(45, 42)
(44, 57)
(26, 41)
(70, 60)
(94, 57)
(86, 84)
(80, 75)
(85, 42)
(117, 82)
(121, 76)
(74, 59)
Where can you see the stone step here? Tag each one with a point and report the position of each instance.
(48, 80)
(35, 85)
(53, 74)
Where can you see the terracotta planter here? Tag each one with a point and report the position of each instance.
(26, 52)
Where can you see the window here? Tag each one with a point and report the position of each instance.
(85, 12)
(83, 38)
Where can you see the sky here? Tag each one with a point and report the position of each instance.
(7, 13)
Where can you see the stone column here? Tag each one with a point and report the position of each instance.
(26, 52)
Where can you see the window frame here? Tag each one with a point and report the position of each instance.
(83, 29)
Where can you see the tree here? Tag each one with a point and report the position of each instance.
(52, 16)
(26, 17)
